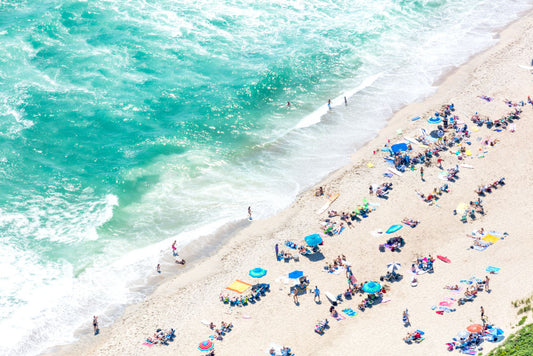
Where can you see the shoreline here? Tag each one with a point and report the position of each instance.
(220, 270)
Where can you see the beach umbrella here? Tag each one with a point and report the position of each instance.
(313, 240)
(435, 120)
(399, 147)
(475, 328)
(296, 274)
(257, 272)
(206, 345)
(496, 331)
(461, 208)
(463, 334)
(372, 287)
(393, 267)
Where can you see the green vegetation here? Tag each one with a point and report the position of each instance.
(519, 344)
(522, 321)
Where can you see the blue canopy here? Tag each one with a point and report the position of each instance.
(257, 272)
(372, 287)
(399, 147)
(313, 240)
(296, 274)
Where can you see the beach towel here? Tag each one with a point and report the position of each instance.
(469, 351)
(149, 344)
(492, 269)
(349, 312)
(340, 317)
(491, 238)
(480, 248)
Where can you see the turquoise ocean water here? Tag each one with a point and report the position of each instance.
(125, 125)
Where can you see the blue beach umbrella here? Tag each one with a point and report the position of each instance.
(399, 147)
(295, 274)
(313, 240)
(434, 120)
(257, 272)
(372, 287)
(496, 331)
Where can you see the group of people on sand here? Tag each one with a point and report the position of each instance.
(285, 351)
(381, 191)
(221, 332)
(162, 337)
(487, 188)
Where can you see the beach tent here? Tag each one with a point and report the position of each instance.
(399, 147)
(490, 238)
(239, 286)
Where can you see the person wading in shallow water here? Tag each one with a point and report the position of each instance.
(95, 325)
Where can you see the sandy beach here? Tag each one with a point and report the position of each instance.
(183, 302)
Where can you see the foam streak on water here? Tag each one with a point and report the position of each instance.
(127, 124)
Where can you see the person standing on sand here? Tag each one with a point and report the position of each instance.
(294, 293)
(422, 173)
(345, 101)
(487, 288)
(158, 268)
(329, 104)
(249, 213)
(482, 312)
(317, 294)
(95, 324)
(277, 250)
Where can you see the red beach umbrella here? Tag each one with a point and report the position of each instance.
(206, 345)
(475, 328)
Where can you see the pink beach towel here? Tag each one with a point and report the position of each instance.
(149, 344)
(340, 317)
(445, 304)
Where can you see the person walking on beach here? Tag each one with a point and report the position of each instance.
(277, 250)
(482, 312)
(95, 324)
(294, 295)
(329, 104)
(422, 173)
(158, 268)
(174, 252)
(249, 213)
(345, 101)
(317, 294)
(487, 288)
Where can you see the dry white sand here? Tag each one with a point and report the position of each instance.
(181, 303)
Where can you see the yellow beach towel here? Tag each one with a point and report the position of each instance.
(491, 238)
(239, 286)
(370, 165)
